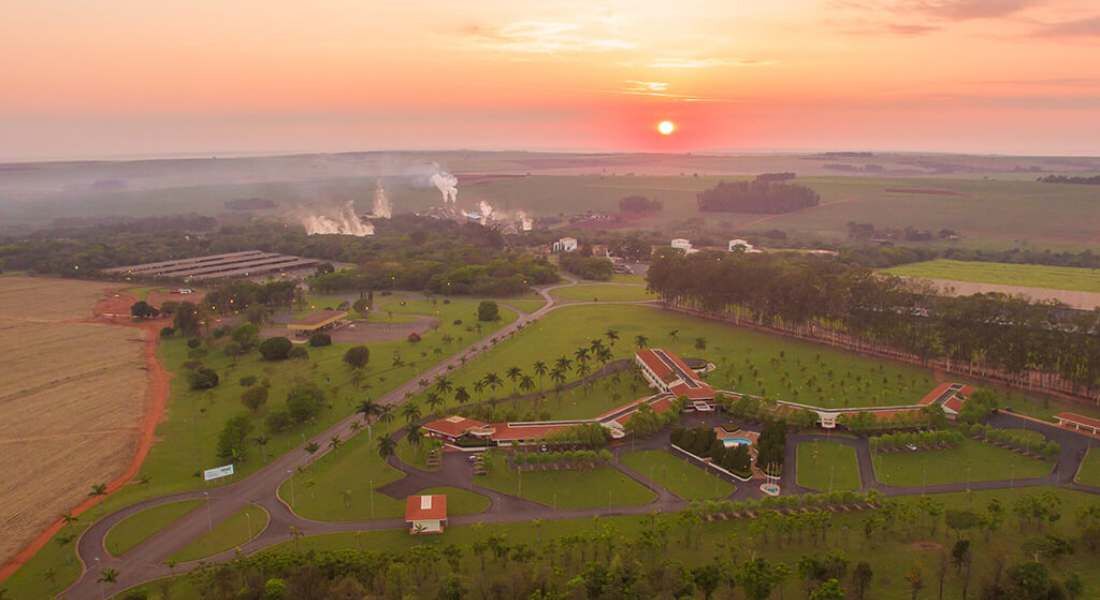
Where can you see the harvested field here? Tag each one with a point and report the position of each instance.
(1081, 300)
(924, 191)
(71, 402)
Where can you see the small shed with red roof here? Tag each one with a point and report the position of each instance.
(426, 514)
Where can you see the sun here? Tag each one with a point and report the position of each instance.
(666, 128)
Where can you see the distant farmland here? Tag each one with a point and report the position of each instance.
(1035, 276)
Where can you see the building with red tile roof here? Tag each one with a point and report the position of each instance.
(1078, 422)
(426, 514)
(453, 427)
(668, 373)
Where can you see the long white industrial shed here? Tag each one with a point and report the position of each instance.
(217, 266)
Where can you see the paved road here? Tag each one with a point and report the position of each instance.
(146, 562)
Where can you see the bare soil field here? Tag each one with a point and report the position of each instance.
(72, 398)
(1080, 300)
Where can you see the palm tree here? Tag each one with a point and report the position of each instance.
(433, 400)
(99, 489)
(262, 441)
(581, 354)
(641, 341)
(596, 345)
(583, 369)
(411, 412)
(612, 336)
(540, 369)
(386, 416)
(369, 408)
(513, 374)
(493, 381)
(386, 447)
(526, 383)
(108, 576)
(69, 518)
(674, 334)
(604, 356)
(563, 363)
(461, 395)
(479, 387)
(558, 377)
(413, 435)
(334, 442)
(443, 385)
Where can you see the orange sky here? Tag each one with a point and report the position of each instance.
(123, 77)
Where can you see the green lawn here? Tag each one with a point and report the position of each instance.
(635, 279)
(677, 476)
(187, 437)
(827, 467)
(596, 488)
(890, 556)
(459, 501)
(969, 461)
(607, 292)
(230, 533)
(135, 529)
(528, 303)
(1040, 276)
(1090, 469)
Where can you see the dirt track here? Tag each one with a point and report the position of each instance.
(94, 423)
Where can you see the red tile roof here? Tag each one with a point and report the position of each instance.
(954, 403)
(1076, 418)
(453, 426)
(426, 508)
(702, 392)
(506, 432)
(656, 365)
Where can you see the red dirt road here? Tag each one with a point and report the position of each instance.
(115, 310)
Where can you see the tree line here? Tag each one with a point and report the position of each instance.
(849, 305)
(1077, 180)
(757, 196)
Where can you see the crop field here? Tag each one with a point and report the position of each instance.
(71, 400)
(1037, 276)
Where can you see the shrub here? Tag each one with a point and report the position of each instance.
(414, 337)
(304, 402)
(248, 381)
(233, 437)
(220, 332)
(488, 311)
(357, 357)
(298, 353)
(254, 397)
(166, 332)
(246, 335)
(203, 378)
(320, 339)
(276, 348)
(194, 343)
(279, 421)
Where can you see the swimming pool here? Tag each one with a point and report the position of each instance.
(737, 441)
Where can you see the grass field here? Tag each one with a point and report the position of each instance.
(596, 488)
(460, 502)
(890, 556)
(1090, 469)
(677, 476)
(969, 461)
(827, 467)
(607, 292)
(230, 533)
(1039, 276)
(136, 529)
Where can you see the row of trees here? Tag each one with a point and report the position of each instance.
(1012, 338)
(587, 267)
(704, 443)
(570, 459)
(1034, 444)
(923, 440)
(758, 196)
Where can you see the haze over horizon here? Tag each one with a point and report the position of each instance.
(129, 79)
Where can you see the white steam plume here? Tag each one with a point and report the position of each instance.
(447, 185)
(382, 207)
(486, 211)
(526, 222)
(345, 222)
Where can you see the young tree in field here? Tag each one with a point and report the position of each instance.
(830, 590)
(443, 385)
(357, 357)
(707, 578)
(262, 441)
(540, 370)
(641, 341)
(915, 579)
(526, 384)
(254, 397)
(700, 343)
(513, 374)
(861, 579)
(99, 489)
(612, 336)
(143, 310)
(434, 400)
(386, 447)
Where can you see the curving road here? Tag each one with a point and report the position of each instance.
(146, 562)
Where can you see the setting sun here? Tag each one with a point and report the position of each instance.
(666, 127)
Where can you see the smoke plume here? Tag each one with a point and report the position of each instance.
(447, 185)
(344, 222)
(382, 207)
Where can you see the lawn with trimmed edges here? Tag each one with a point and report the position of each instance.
(890, 557)
(135, 529)
(1039, 276)
(238, 529)
(970, 461)
(1089, 474)
(677, 476)
(827, 467)
(568, 489)
(606, 292)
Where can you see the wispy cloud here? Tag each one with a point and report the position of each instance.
(705, 63)
(548, 37)
(647, 86)
(1079, 28)
(920, 17)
